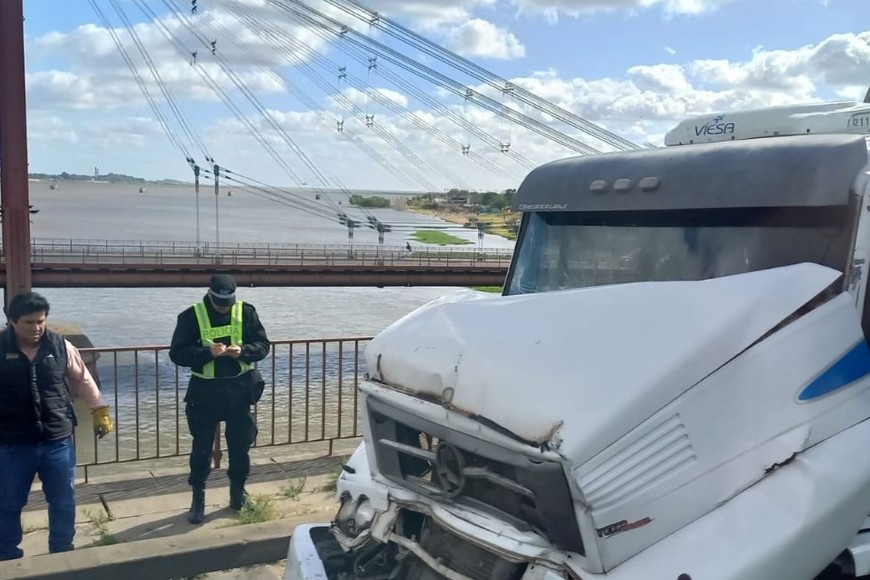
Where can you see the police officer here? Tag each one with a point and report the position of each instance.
(219, 339)
(40, 373)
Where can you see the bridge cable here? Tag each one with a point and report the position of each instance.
(266, 115)
(395, 143)
(164, 124)
(291, 48)
(230, 104)
(429, 48)
(302, 12)
(174, 139)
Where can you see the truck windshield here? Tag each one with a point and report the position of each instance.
(562, 250)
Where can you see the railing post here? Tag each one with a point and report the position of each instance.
(216, 453)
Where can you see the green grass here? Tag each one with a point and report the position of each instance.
(439, 238)
(107, 539)
(260, 508)
(100, 520)
(293, 489)
(493, 289)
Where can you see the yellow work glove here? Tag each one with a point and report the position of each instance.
(102, 421)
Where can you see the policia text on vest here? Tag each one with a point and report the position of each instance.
(220, 339)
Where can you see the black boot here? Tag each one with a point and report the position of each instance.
(197, 506)
(238, 496)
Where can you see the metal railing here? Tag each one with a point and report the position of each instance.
(76, 244)
(186, 253)
(310, 397)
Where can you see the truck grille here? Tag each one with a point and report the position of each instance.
(451, 466)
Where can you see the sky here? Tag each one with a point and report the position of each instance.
(284, 98)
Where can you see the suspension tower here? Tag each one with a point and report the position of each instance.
(15, 201)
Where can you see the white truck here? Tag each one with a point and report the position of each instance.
(675, 384)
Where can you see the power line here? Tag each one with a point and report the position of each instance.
(170, 134)
(191, 134)
(369, 121)
(361, 12)
(301, 204)
(221, 94)
(345, 132)
(276, 194)
(305, 13)
(292, 48)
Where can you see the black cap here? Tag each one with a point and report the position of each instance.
(222, 289)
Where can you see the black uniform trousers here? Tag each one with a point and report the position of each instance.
(241, 431)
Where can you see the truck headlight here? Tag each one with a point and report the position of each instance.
(355, 515)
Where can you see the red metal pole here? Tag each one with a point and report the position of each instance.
(13, 150)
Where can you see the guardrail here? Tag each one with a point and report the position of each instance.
(184, 253)
(76, 244)
(310, 397)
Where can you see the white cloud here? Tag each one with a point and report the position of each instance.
(428, 14)
(652, 98)
(60, 89)
(45, 130)
(640, 103)
(394, 96)
(363, 99)
(117, 88)
(480, 38)
(552, 9)
(112, 132)
(841, 59)
(98, 76)
(660, 77)
(852, 92)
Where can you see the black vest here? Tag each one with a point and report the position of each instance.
(35, 402)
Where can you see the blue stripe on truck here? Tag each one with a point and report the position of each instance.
(849, 368)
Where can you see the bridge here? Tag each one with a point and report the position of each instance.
(71, 263)
(200, 44)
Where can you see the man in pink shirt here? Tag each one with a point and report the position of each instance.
(40, 373)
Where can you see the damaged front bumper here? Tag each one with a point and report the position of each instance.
(781, 527)
(382, 531)
(304, 560)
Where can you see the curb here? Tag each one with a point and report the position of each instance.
(164, 558)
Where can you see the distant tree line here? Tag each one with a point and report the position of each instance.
(373, 201)
(110, 177)
(493, 200)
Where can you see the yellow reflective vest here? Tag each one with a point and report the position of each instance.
(209, 334)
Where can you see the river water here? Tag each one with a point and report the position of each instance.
(311, 390)
(126, 317)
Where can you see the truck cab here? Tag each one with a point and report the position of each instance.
(674, 384)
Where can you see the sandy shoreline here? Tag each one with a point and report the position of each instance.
(497, 222)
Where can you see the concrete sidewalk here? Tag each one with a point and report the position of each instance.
(274, 571)
(120, 522)
(157, 482)
(162, 516)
